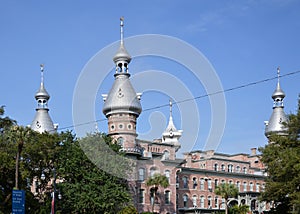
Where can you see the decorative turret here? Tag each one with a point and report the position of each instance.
(42, 121)
(122, 104)
(171, 135)
(278, 117)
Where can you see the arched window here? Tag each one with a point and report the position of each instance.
(251, 186)
(216, 202)
(216, 167)
(166, 155)
(194, 183)
(209, 202)
(141, 174)
(167, 174)
(209, 184)
(238, 185)
(153, 170)
(257, 187)
(245, 186)
(223, 168)
(216, 183)
(167, 197)
(230, 168)
(194, 201)
(185, 200)
(238, 169)
(245, 170)
(202, 184)
(202, 201)
(185, 182)
(121, 141)
(142, 196)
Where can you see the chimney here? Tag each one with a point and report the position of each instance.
(253, 151)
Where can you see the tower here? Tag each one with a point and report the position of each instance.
(122, 104)
(42, 121)
(278, 117)
(171, 135)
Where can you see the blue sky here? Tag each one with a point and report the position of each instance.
(244, 41)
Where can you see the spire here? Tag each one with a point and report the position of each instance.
(278, 117)
(171, 127)
(42, 121)
(278, 95)
(171, 135)
(122, 57)
(42, 95)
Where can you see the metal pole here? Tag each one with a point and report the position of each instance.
(54, 192)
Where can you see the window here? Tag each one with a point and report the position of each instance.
(202, 202)
(142, 196)
(216, 183)
(194, 201)
(223, 167)
(152, 196)
(209, 184)
(245, 186)
(141, 174)
(257, 187)
(166, 155)
(194, 183)
(185, 182)
(238, 169)
(202, 184)
(121, 141)
(251, 186)
(238, 185)
(223, 204)
(230, 168)
(209, 202)
(185, 200)
(223, 181)
(152, 171)
(167, 197)
(216, 202)
(245, 170)
(230, 182)
(167, 174)
(216, 167)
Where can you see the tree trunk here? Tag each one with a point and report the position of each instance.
(226, 206)
(17, 170)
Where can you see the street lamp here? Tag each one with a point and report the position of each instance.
(53, 204)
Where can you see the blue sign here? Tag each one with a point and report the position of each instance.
(18, 202)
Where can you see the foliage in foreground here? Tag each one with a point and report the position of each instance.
(282, 160)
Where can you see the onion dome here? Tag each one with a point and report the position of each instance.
(278, 117)
(122, 97)
(42, 121)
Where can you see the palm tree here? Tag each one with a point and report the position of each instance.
(226, 191)
(157, 180)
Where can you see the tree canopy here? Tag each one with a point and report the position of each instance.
(85, 188)
(226, 191)
(282, 159)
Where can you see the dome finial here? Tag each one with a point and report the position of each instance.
(278, 73)
(121, 29)
(42, 73)
(170, 103)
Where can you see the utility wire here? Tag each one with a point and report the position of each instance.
(193, 98)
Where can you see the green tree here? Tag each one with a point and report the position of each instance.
(156, 181)
(239, 209)
(282, 160)
(226, 191)
(87, 188)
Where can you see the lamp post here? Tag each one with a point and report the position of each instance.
(53, 203)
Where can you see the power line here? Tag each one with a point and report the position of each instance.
(193, 98)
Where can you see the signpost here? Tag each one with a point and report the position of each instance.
(18, 202)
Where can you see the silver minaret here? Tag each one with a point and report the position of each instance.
(42, 121)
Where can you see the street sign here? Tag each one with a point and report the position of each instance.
(18, 202)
